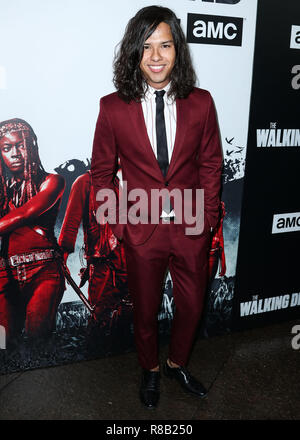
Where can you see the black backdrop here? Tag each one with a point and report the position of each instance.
(268, 264)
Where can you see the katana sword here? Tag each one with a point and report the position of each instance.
(68, 276)
(72, 283)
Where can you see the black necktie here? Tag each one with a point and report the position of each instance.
(161, 138)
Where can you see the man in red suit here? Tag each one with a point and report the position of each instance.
(164, 131)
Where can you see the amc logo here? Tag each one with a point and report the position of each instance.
(295, 37)
(286, 223)
(214, 29)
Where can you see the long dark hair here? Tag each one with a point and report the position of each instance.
(34, 172)
(128, 78)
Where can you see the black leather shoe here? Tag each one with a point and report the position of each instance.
(149, 391)
(186, 380)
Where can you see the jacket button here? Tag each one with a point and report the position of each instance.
(166, 183)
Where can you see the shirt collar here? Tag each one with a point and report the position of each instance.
(150, 93)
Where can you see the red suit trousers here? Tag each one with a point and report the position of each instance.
(187, 259)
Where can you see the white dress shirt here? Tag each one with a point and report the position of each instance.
(149, 111)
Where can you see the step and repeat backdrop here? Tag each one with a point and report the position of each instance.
(56, 63)
(267, 286)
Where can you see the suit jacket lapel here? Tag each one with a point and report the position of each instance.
(182, 109)
(139, 126)
(138, 121)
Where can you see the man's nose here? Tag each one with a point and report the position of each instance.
(155, 55)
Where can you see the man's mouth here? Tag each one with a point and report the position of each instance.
(156, 69)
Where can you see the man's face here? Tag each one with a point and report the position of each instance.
(158, 57)
(12, 150)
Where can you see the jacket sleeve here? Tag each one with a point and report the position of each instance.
(103, 170)
(210, 165)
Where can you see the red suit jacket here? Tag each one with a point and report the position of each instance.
(195, 163)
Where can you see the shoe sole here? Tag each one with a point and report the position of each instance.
(146, 406)
(190, 393)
